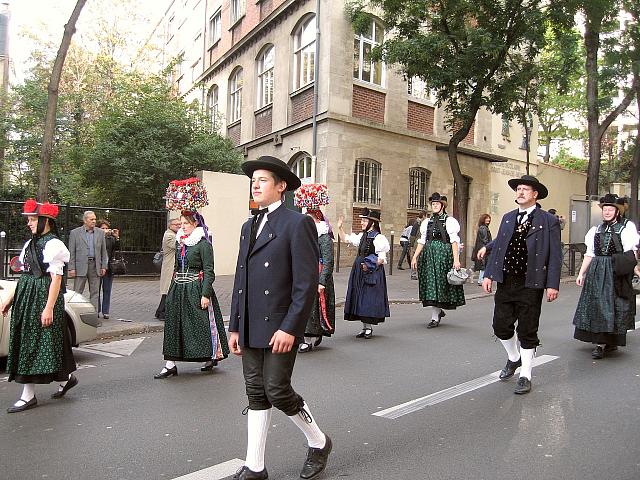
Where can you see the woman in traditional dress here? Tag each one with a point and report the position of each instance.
(607, 305)
(483, 237)
(193, 328)
(39, 340)
(439, 239)
(367, 300)
(112, 242)
(322, 322)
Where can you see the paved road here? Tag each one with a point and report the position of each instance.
(580, 422)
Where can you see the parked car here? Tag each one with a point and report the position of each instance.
(82, 318)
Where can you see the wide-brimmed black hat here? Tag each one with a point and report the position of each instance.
(611, 200)
(274, 165)
(374, 215)
(365, 213)
(532, 182)
(436, 197)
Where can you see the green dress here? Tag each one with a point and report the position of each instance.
(39, 354)
(192, 334)
(322, 322)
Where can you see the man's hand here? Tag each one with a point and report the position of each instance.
(552, 294)
(281, 342)
(234, 346)
(486, 284)
(481, 253)
(72, 273)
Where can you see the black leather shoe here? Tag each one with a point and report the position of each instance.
(368, 333)
(25, 406)
(523, 386)
(319, 341)
(510, 368)
(305, 347)
(361, 334)
(245, 474)
(433, 323)
(316, 460)
(72, 382)
(610, 348)
(208, 366)
(167, 373)
(597, 353)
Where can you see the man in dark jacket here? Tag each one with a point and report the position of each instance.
(524, 259)
(274, 290)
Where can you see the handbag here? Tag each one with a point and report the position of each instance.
(635, 284)
(157, 259)
(457, 277)
(117, 264)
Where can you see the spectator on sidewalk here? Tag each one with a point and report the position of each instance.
(483, 237)
(112, 239)
(89, 259)
(415, 233)
(168, 263)
(406, 247)
(561, 219)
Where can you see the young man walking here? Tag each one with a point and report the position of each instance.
(275, 287)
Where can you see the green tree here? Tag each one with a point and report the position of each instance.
(568, 161)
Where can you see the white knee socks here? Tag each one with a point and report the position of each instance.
(257, 428)
(435, 314)
(28, 392)
(511, 346)
(305, 422)
(527, 355)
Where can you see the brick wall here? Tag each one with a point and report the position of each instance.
(301, 106)
(420, 117)
(233, 133)
(263, 123)
(266, 7)
(368, 104)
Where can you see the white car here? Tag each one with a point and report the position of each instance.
(82, 319)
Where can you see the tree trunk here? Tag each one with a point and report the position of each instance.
(592, 45)
(52, 103)
(547, 147)
(634, 214)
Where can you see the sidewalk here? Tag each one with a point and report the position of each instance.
(134, 300)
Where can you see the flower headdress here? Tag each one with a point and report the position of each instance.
(35, 209)
(311, 196)
(188, 194)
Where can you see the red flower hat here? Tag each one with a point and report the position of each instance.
(34, 209)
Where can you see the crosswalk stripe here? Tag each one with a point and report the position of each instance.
(216, 472)
(449, 393)
(98, 352)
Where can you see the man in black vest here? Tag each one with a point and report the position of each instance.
(275, 287)
(525, 258)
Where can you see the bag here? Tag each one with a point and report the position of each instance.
(157, 260)
(635, 284)
(117, 265)
(457, 277)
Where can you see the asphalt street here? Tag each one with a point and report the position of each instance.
(581, 421)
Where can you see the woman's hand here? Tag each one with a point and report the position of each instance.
(580, 279)
(414, 263)
(47, 317)
(456, 265)
(364, 267)
(320, 288)
(481, 253)
(204, 303)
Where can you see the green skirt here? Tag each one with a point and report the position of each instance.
(435, 261)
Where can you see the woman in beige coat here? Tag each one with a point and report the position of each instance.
(168, 262)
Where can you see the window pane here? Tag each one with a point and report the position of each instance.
(356, 58)
(377, 73)
(379, 31)
(366, 64)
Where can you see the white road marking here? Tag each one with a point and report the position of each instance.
(217, 472)
(115, 349)
(449, 393)
(98, 352)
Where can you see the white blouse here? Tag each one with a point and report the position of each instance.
(55, 253)
(380, 244)
(451, 225)
(628, 236)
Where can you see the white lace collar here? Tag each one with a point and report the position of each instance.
(322, 228)
(191, 240)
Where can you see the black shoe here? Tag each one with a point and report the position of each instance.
(305, 347)
(207, 367)
(510, 368)
(368, 333)
(361, 334)
(245, 474)
(72, 382)
(610, 348)
(597, 353)
(25, 406)
(105, 316)
(317, 342)
(316, 460)
(523, 386)
(433, 323)
(167, 373)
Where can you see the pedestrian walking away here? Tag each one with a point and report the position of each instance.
(112, 242)
(406, 247)
(524, 259)
(483, 237)
(415, 233)
(275, 286)
(607, 305)
(39, 341)
(436, 254)
(367, 300)
(168, 264)
(194, 327)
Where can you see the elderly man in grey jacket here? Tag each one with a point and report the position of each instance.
(88, 260)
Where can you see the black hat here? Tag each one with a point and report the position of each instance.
(611, 200)
(532, 182)
(274, 165)
(436, 197)
(365, 213)
(374, 215)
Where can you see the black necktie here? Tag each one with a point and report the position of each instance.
(258, 215)
(521, 216)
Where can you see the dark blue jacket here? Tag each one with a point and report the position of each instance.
(543, 246)
(282, 281)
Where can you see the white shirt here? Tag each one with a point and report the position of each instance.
(451, 225)
(55, 253)
(528, 210)
(380, 244)
(270, 209)
(628, 237)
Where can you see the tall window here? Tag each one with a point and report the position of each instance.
(304, 50)
(215, 27)
(364, 68)
(237, 10)
(235, 96)
(301, 166)
(366, 182)
(418, 88)
(265, 76)
(212, 106)
(418, 188)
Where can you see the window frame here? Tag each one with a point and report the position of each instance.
(213, 107)
(215, 27)
(238, 9)
(235, 95)
(301, 166)
(418, 198)
(367, 181)
(265, 77)
(302, 77)
(358, 55)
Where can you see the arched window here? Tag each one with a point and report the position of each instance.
(304, 51)
(418, 188)
(235, 96)
(212, 106)
(266, 62)
(301, 166)
(364, 68)
(366, 181)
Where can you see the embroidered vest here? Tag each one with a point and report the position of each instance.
(366, 246)
(516, 256)
(604, 243)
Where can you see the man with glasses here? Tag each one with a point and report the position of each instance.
(168, 263)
